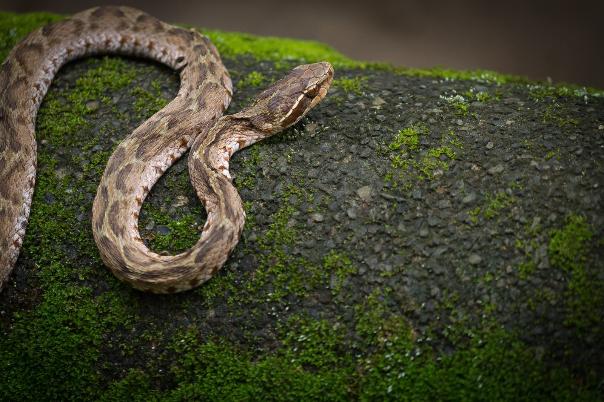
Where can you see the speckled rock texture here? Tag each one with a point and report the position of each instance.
(416, 236)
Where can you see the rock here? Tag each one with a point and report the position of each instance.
(474, 259)
(93, 105)
(377, 102)
(162, 229)
(317, 217)
(490, 145)
(495, 169)
(180, 201)
(365, 193)
(444, 204)
(469, 198)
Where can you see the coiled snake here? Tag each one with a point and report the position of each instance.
(193, 119)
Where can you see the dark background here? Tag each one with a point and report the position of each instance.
(561, 40)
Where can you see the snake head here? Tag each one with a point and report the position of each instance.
(286, 101)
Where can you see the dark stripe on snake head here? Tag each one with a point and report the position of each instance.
(298, 110)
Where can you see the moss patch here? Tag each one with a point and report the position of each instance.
(409, 162)
(568, 250)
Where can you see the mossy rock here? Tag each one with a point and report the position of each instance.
(421, 235)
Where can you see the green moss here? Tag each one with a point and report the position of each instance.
(340, 266)
(350, 85)
(245, 176)
(457, 102)
(52, 351)
(474, 214)
(183, 231)
(493, 366)
(553, 154)
(410, 163)
(542, 91)
(253, 79)
(134, 386)
(233, 44)
(148, 103)
(568, 250)
(407, 138)
(494, 204)
(554, 114)
(220, 372)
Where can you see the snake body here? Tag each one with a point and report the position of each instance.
(193, 119)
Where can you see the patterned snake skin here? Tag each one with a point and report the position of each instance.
(191, 120)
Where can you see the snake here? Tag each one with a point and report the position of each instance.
(193, 121)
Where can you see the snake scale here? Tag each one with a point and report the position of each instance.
(193, 119)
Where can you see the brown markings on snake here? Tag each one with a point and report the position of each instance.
(133, 255)
(212, 67)
(78, 26)
(116, 227)
(107, 10)
(216, 234)
(103, 201)
(123, 25)
(13, 91)
(5, 189)
(200, 49)
(26, 54)
(122, 176)
(184, 34)
(111, 253)
(47, 30)
(116, 160)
